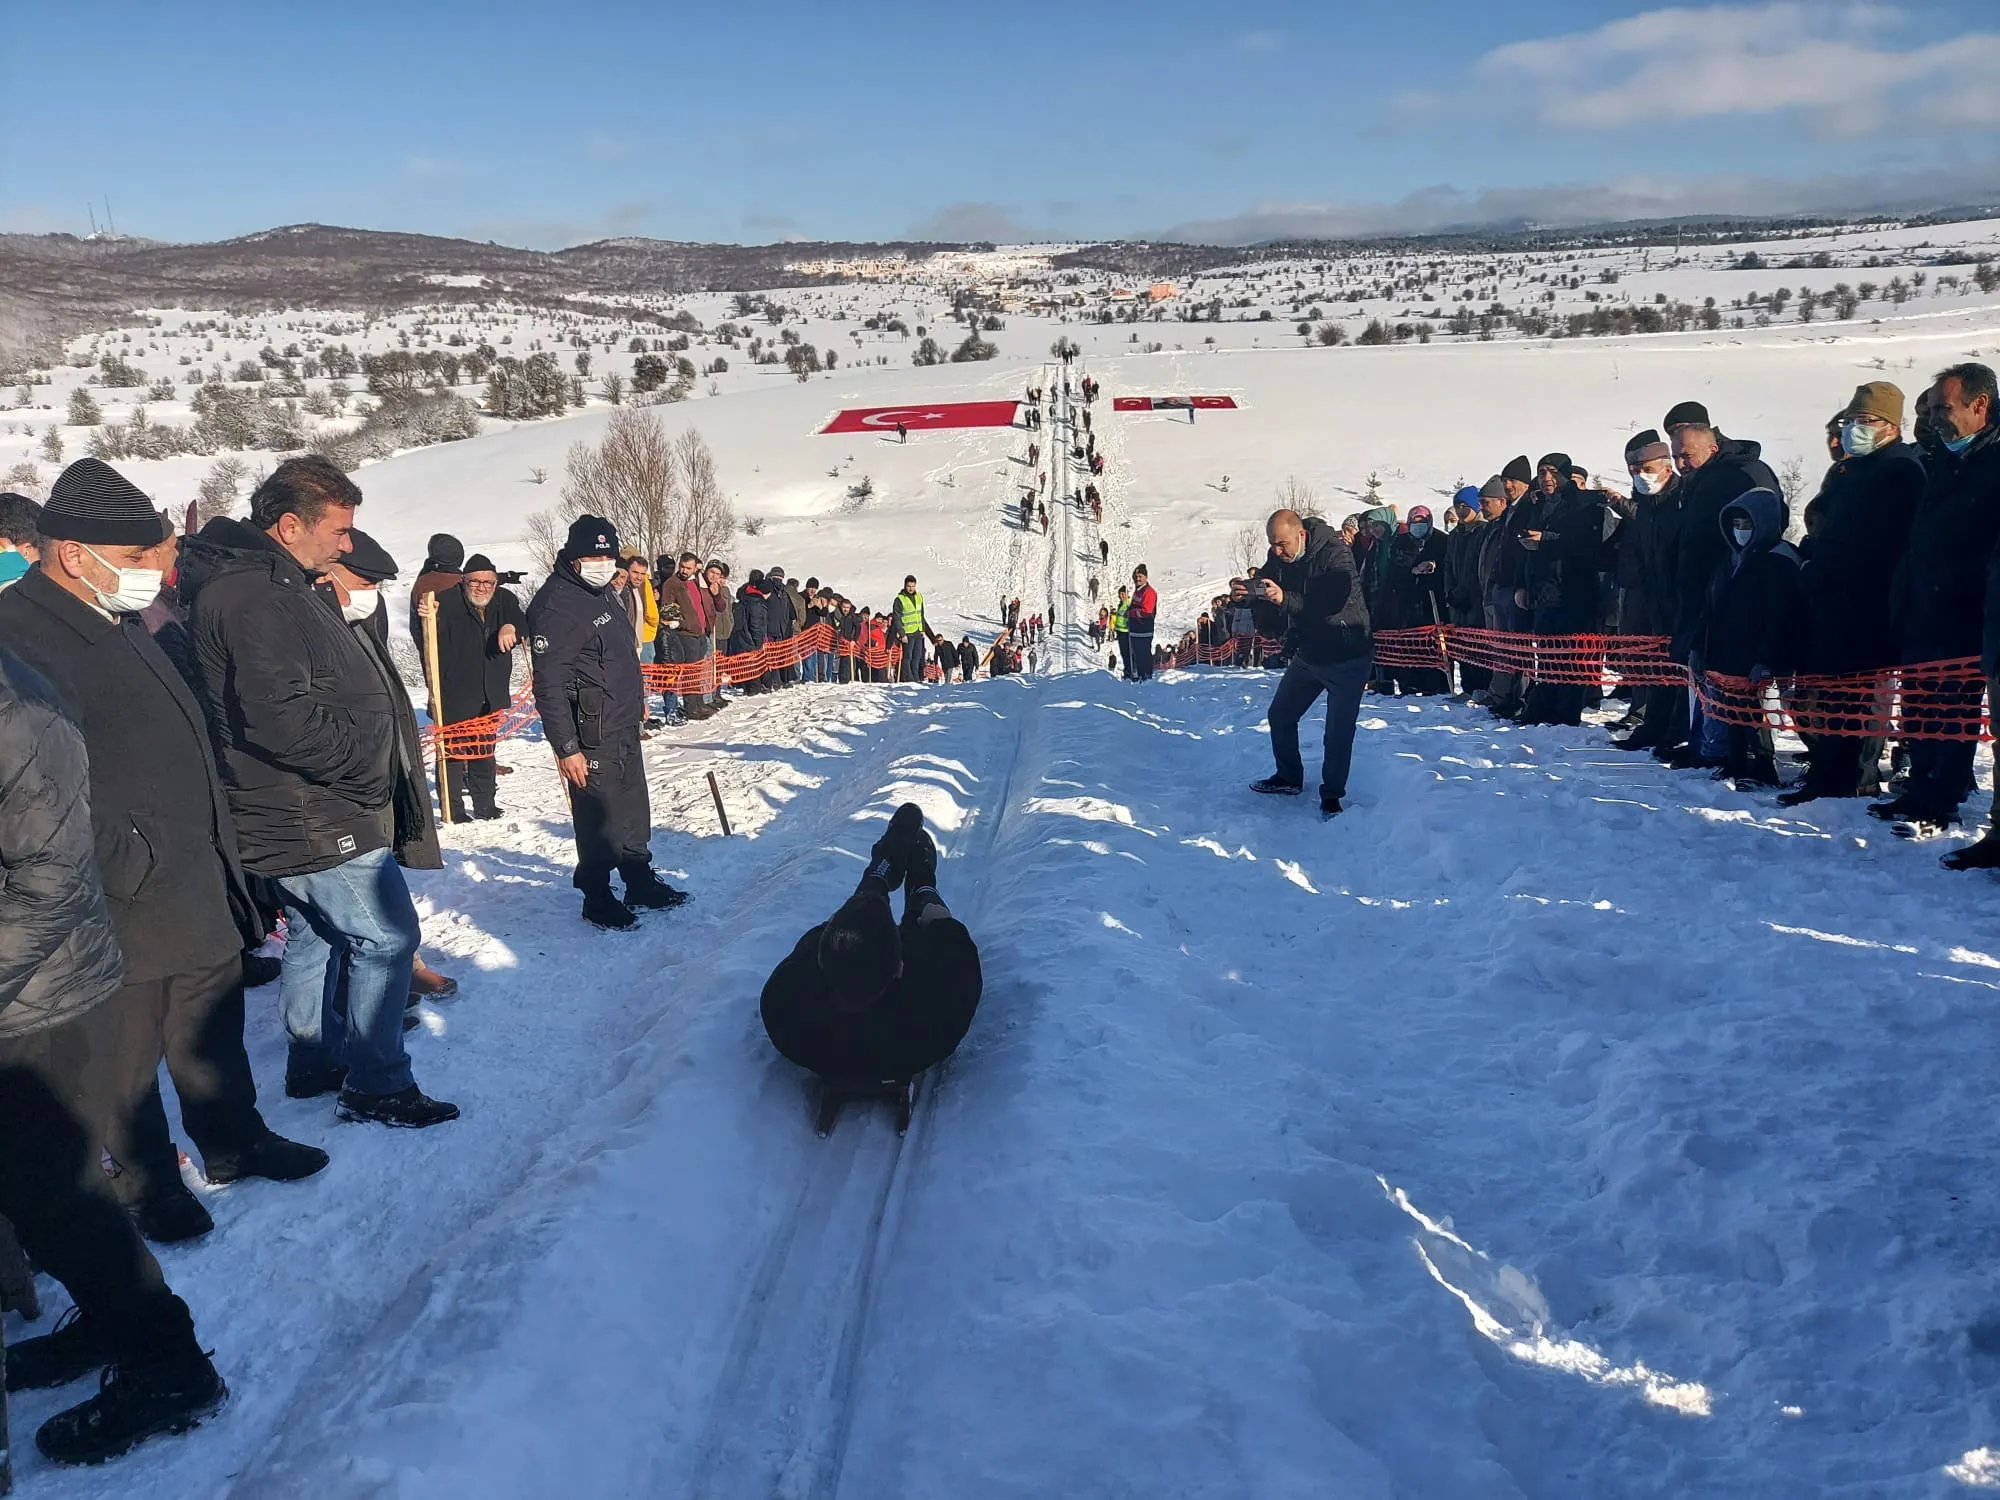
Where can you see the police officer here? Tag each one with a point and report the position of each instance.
(592, 700)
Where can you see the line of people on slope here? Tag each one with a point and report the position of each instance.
(1898, 565)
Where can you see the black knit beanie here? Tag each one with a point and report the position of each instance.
(94, 504)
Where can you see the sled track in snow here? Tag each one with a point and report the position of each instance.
(779, 1423)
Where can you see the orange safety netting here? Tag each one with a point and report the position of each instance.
(474, 739)
(1939, 700)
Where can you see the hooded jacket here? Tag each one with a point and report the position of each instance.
(1863, 515)
(304, 730)
(1323, 618)
(58, 956)
(751, 618)
(1735, 468)
(588, 687)
(166, 845)
(1755, 613)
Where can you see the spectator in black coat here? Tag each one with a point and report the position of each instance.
(1412, 595)
(751, 624)
(1648, 560)
(865, 1000)
(1939, 605)
(1754, 620)
(479, 627)
(59, 974)
(1861, 523)
(1464, 607)
(1500, 561)
(968, 659)
(166, 849)
(1561, 542)
(1307, 592)
(308, 738)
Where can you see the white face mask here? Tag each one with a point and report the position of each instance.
(137, 588)
(597, 571)
(1742, 534)
(1647, 484)
(360, 606)
(1859, 438)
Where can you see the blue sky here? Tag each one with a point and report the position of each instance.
(758, 120)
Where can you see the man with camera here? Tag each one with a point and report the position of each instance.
(592, 700)
(1308, 592)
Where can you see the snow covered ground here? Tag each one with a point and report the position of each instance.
(1549, 1125)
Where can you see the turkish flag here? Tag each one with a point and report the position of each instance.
(1172, 403)
(919, 415)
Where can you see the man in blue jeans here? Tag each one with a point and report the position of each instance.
(307, 738)
(1307, 591)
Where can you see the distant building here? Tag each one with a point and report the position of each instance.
(1160, 291)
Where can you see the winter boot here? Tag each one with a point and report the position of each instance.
(888, 859)
(602, 909)
(133, 1403)
(1276, 786)
(270, 1156)
(1329, 805)
(69, 1351)
(645, 891)
(920, 865)
(409, 1108)
(311, 1083)
(1984, 855)
(169, 1214)
(427, 984)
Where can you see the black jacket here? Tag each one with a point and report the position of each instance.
(1863, 515)
(1734, 469)
(477, 675)
(752, 622)
(166, 847)
(587, 681)
(58, 955)
(1755, 613)
(1323, 618)
(1404, 602)
(416, 836)
(305, 733)
(1465, 604)
(919, 1023)
(968, 659)
(1653, 541)
(1561, 574)
(1940, 597)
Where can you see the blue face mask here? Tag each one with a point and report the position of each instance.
(1959, 444)
(1420, 529)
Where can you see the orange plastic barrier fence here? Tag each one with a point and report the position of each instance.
(1941, 700)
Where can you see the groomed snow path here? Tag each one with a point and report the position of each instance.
(1549, 1125)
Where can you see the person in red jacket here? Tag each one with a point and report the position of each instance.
(1139, 615)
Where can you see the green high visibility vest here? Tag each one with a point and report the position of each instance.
(910, 613)
(1118, 617)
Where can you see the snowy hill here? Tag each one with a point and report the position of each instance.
(1545, 1127)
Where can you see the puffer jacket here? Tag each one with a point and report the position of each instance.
(1323, 618)
(304, 730)
(58, 955)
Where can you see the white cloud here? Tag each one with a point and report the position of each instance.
(959, 222)
(1835, 63)
(1632, 196)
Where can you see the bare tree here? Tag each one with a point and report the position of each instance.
(630, 479)
(1251, 549)
(1296, 494)
(219, 488)
(708, 521)
(544, 538)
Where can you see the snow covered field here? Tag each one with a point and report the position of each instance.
(1547, 1126)
(1550, 1125)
